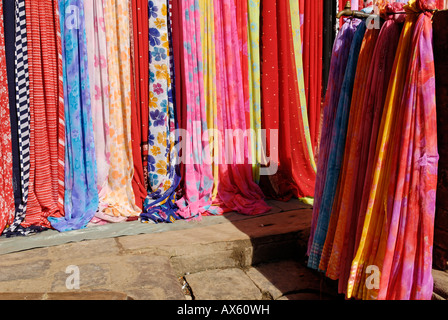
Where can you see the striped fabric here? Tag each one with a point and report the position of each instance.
(47, 134)
(22, 102)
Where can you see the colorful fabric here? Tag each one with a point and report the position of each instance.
(406, 273)
(338, 65)
(282, 115)
(140, 98)
(9, 34)
(21, 82)
(336, 149)
(358, 165)
(197, 173)
(7, 207)
(398, 229)
(99, 89)
(312, 63)
(236, 190)
(81, 192)
(47, 119)
(254, 78)
(207, 10)
(352, 146)
(160, 203)
(120, 199)
(304, 107)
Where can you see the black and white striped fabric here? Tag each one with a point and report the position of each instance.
(23, 114)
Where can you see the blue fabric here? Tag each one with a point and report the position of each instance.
(81, 193)
(337, 147)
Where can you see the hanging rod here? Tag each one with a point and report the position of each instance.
(348, 12)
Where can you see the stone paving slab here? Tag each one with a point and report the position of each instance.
(225, 284)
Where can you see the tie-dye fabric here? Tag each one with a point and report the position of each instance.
(407, 268)
(81, 193)
(398, 227)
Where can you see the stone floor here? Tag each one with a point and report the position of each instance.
(237, 258)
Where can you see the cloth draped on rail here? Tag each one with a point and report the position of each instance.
(354, 125)
(340, 55)
(397, 231)
(336, 149)
(358, 165)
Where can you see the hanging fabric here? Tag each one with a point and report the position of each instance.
(197, 173)
(120, 199)
(139, 97)
(336, 149)
(254, 78)
(81, 192)
(358, 166)
(7, 207)
(47, 120)
(207, 10)
(99, 91)
(406, 272)
(237, 190)
(312, 64)
(9, 32)
(21, 82)
(340, 54)
(353, 126)
(160, 203)
(398, 229)
(295, 176)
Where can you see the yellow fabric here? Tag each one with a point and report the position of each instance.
(370, 251)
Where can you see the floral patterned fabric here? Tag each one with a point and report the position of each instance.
(7, 207)
(163, 159)
(99, 89)
(120, 199)
(81, 192)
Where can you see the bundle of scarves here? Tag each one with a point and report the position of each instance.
(373, 224)
(118, 110)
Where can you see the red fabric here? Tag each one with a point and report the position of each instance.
(7, 194)
(140, 99)
(180, 96)
(312, 64)
(47, 147)
(281, 105)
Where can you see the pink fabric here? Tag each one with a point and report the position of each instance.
(236, 190)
